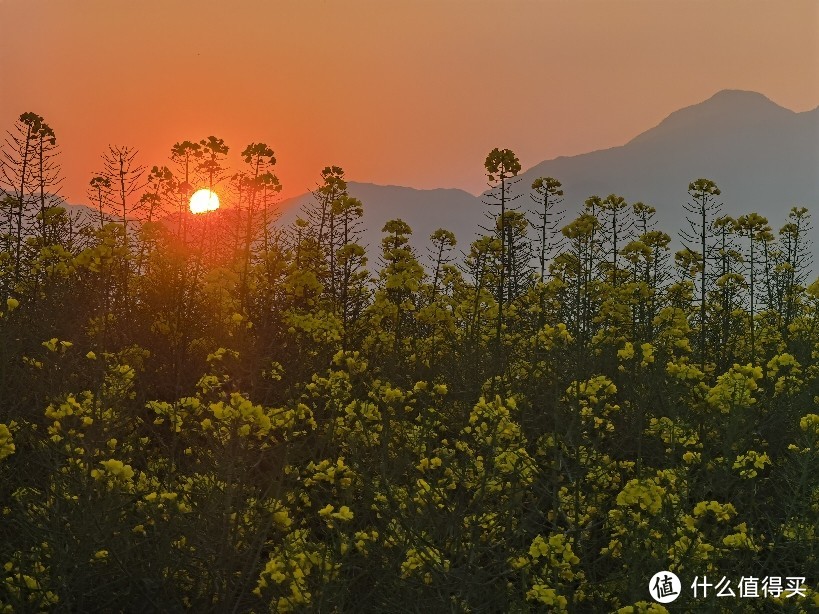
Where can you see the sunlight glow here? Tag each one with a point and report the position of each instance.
(204, 200)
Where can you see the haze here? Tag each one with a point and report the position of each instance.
(398, 92)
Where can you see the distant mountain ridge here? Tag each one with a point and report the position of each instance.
(727, 109)
(424, 210)
(764, 158)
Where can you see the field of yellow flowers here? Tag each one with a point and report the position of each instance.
(188, 426)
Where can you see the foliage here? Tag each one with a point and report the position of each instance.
(273, 427)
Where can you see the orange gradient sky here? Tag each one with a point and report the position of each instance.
(395, 91)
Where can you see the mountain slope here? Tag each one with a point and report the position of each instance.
(424, 210)
(764, 158)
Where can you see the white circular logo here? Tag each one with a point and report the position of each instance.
(664, 587)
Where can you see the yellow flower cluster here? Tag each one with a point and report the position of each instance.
(166, 501)
(549, 335)
(740, 539)
(281, 516)
(704, 538)
(691, 548)
(557, 556)
(327, 512)
(591, 397)
(733, 389)
(645, 494)
(427, 494)
(576, 506)
(493, 446)
(53, 345)
(72, 417)
(723, 512)
(233, 415)
(329, 472)
(428, 463)
(490, 526)
(247, 417)
(648, 354)
(627, 353)
(427, 559)
(750, 462)
(177, 413)
(799, 604)
(6, 441)
(673, 329)
(351, 361)
(555, 568)
(491, 423)
(673, 433)
(320, 327)
(643, 607)
(641, 519)
(361, 419)
(516, 462)
(291, 565)
(390, 395)
(53, 261)
(115, 472)
(603, 473)
(810, 424)
(786, 369)
(592, 390)
(548, 597)
(783, 361)
(363, 539)
(683, 370)
(27, 588)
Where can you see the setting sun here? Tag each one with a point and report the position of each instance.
(204, 200)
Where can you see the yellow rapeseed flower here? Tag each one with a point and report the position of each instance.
(7, 447)
(343, 513)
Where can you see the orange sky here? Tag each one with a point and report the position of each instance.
(395, 91)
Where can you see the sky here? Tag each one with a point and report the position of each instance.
(399, 92)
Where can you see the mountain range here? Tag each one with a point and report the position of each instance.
(763, 157)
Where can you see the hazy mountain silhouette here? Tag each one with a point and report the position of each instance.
(764, 158)
(424, 210)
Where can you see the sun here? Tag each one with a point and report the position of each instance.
(204, 200)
